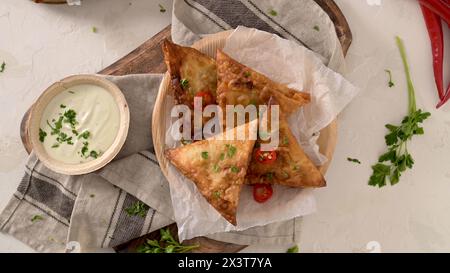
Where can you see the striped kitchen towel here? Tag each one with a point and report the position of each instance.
(52, 212)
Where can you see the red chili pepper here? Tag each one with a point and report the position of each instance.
(440, 7)
(434, 26)
(446, 98)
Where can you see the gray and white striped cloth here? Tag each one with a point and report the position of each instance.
(91, 209)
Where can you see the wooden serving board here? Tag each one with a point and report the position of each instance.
(148, 58)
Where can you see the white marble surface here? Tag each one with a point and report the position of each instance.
(42, 44)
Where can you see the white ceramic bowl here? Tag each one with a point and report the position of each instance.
(42, 102)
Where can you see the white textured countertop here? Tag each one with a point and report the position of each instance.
(41, 44)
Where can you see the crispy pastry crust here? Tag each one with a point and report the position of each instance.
(190, 64)
(218, 168)
(241, 85)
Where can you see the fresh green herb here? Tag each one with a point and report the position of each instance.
(137, 209)
(93, 154)
(295, 167)
(71, 92)
(205, 155)
(353, 160)
(247, 74)
(92, 195)
(75, 132)
(184, 83)
(186, 142)
(167, 244)
(161, 8)
(56, 145)
(70, 117)
(216, 168)
(222, 156)
(2, 67)
(37, 218)
(269, 175)
(231, 150)
(390, 83)
(94, 29)
(273, 12)
(62, 106)
(216, 194)
(42, 135)
(85, 148)
(85, 135)
(235, 169)
(398, 155)
(285, 141)
(293, 249)
(316, 28)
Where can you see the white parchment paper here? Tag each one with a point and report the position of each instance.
(285, 62)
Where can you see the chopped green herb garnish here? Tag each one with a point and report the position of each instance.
(222, 156)
(137, 209)
(231, 150)
(93, 154)
(247, 74)
(269, 175)
(186, 142)
(62, 106)
(316, 28)
(353, 160)
(295, 167)
(285, 141)
(92, 195)
(216, 194)
(293, 249)
(70, 117)
(167, 244)
(2, 67)
(75, 132)
(85, 148)
(184, 83)
(37, 218)
(205, 155)
(71, 92)
(84, 135)
(56, 145)
(94, 29)
(398, 155)
(42, 135)
(235, 169)
(390, 83)
(161, 8)
(273, 12)
(216, 168)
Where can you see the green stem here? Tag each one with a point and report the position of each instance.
(411, 95)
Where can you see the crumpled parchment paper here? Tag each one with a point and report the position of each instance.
(285, 62)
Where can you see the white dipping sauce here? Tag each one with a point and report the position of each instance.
(96, 112)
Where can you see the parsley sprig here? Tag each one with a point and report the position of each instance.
(137, 209)
(167, 244)
(397, 159)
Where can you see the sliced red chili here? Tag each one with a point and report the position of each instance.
(262, 192)
(265, 157)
